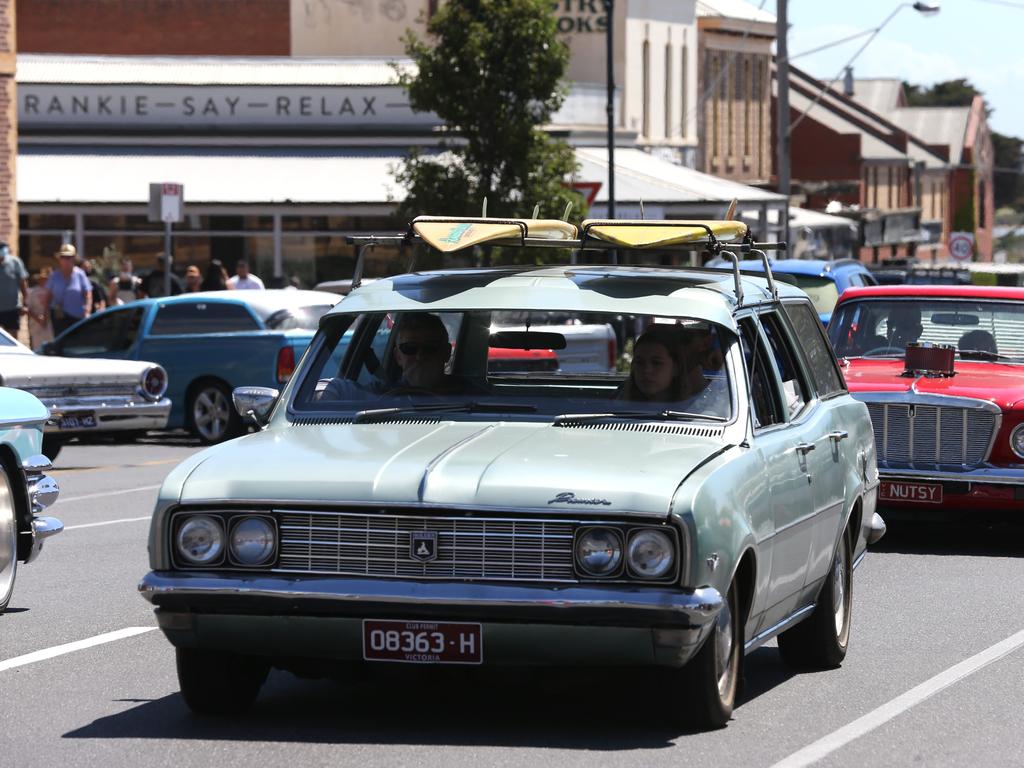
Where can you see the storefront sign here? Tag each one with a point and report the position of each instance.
(581, 16)
(176, 106)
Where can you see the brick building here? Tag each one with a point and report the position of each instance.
(8, 124)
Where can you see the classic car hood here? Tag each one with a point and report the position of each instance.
(28, 371)
(1000, 384)
(501, 466)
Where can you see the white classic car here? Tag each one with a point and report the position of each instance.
(86, 396)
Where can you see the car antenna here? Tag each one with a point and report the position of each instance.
(483, 211)
(641, 210)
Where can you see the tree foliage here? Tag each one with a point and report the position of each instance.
(1008, 183)
(492, 71)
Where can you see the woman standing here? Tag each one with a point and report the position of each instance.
(39, 328)
(216, 278)
(68, 291)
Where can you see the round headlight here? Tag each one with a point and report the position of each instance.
(1017, 441)
(200, 540)
(650, 554)
(154, 382)
(252, 541)
(599, 551)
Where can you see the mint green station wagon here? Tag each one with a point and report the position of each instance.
(407, 502)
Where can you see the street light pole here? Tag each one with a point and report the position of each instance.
(609, 7)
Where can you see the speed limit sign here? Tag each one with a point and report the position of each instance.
(961, 245)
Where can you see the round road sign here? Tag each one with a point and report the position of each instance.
(961, 246)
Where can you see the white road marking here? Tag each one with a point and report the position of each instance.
(108, 522)
(107, 493)
(877, 717)
(78, 645)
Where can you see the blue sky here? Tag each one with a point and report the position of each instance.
(976, 39)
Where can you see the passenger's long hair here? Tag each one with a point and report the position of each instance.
(670, 338)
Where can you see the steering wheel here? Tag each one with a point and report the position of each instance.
(882, 350)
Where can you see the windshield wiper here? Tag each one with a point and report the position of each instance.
(569, 418)
(376, 414)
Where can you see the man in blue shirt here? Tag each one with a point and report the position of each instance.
(13, 281)
(68, 291)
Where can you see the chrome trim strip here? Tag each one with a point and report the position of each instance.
(794, 523)
(857, 562)
(630, 606)
(113, 418)
(21, 422)
(980, 476)
(282, 505)
(760, 639)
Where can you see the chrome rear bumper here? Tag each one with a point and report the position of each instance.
(118, 414)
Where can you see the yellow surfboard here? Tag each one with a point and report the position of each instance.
(634, 234)
(451, 234)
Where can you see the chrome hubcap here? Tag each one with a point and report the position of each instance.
(8, 539)
(839, 589)
(210, 413)
(723, 645)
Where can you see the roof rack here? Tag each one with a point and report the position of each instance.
(449, 234)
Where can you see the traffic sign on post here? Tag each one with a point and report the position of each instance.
(166, 202)
(961, 245)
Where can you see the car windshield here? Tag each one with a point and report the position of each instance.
(980, 330)
(523, 365)
(302, 318)
(823, 292)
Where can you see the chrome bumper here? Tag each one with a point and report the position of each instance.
(42, 492)
(979, 475)
(353, 597)
(112, 413)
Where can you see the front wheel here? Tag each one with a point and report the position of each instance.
(8, 540)
(707, 686)
(214, 683)
(212, 415)
(820, 642)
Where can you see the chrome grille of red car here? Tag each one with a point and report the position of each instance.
(930, 436)
(474, 548)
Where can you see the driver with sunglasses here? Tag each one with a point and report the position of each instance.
(421, 352)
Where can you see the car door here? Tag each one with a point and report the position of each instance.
(111, 334)
(783, 551)
(835, 414)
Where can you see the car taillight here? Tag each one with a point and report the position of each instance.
(285, 364)
(612, 353)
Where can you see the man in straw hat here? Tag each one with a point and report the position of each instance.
(68, 291)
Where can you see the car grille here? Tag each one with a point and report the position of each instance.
(467, 548)
(84, 390)
(930, 436)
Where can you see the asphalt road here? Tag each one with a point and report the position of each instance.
(935, 674)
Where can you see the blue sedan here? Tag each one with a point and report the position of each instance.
(209, 343)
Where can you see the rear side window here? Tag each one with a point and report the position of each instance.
(794, 388)
(827, 378)
(107, 333)
(202, 317)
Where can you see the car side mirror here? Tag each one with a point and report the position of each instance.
(255, 403)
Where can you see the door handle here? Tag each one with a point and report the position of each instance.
(838, 435)
(805, 447)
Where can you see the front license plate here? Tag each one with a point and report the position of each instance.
(422, 642)
(925, 493)
(84, 420)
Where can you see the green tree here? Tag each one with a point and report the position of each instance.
(492, 71)
(951, 93)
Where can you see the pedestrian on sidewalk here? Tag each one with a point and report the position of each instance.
(244, 280)
(40, 330)
(13, 290)
(68, 291)
(193, 279)
(216, 278)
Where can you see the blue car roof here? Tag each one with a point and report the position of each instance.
(817, 267)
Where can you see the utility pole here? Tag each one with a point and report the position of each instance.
(782, 109)
(609, 6)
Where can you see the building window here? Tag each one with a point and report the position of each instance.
(684, 108)
(982, 219)
(646, 66)
(668, 91)
(748, 102)
(729, 94)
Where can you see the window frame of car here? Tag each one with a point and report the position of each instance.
(240, 308)
(821, 336)
(60, 345)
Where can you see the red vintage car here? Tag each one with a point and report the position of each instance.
(941, 369)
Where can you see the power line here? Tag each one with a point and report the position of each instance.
(1007, 3)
